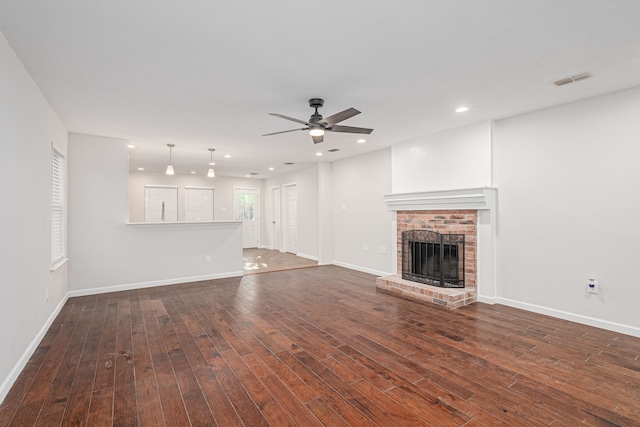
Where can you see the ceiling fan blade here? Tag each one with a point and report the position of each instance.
(317, 139)
(343, 115)
(284, 131)
(349, 129)
(289, 118)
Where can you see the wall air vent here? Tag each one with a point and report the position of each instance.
(575, 78)
(333, 150)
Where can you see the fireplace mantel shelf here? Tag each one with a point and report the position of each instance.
(466, 198)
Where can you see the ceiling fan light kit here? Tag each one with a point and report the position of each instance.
(315, 130)
(317, 125)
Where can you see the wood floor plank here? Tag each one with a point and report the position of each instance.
(325, 413)
(79, 400)
(147, 396)
(57, 398)
(240, 399)
(318, 346)
(272, 411)
(294, 407)
(101, 409)
(224, 414)
(124, 401)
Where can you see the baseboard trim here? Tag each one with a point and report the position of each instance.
(362, 269)
(578, 318)
(311, 257)
(22, 362)
(150, 284)
(487, 300)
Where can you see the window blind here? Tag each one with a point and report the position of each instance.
(160, 203)
(198, 203)
(57, 206)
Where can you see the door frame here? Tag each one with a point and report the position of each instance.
(284, 196)
(257, 211)
(273, 217)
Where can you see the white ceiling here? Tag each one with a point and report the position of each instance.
(204, 74)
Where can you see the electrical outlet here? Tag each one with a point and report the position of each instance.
(592, 286)
(207, 258)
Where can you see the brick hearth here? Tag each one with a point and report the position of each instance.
(448, 297)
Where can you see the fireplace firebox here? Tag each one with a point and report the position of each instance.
(432, 258)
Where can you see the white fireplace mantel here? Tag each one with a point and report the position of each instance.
(466, 198)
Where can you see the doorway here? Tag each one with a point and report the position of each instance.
(246, 209)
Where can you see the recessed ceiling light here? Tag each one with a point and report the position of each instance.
(247, 176)
(212, 164)
(271, 169)
(362, 141)
(227, 156)
(462, 109)
(140, 169)
(318, 154)
(131, 146)
(193, 172)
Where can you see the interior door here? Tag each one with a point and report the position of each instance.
(246, 210)
(292, 219)
(276, 218)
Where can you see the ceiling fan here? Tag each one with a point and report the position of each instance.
(317, 125)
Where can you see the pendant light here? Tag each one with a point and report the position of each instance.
(211, 173)
(170, 167)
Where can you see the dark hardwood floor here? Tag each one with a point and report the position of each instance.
(318, 346)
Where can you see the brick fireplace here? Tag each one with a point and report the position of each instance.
(469, 212)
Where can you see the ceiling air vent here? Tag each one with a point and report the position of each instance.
(575, 78)
(289, 163)
(253, 173)
(333, 150)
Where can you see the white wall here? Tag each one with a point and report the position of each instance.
(568, 200)
(306, 181)
(28, 126)
(105, 252)
(455, 159)
(361, 215)
(326, 220)
(222, 195)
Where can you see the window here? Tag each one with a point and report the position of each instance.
(57, 207)
(160, 203)
(198, 204)
(245, 206)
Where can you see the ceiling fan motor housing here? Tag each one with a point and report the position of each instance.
(316, 102)
(315, 118)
